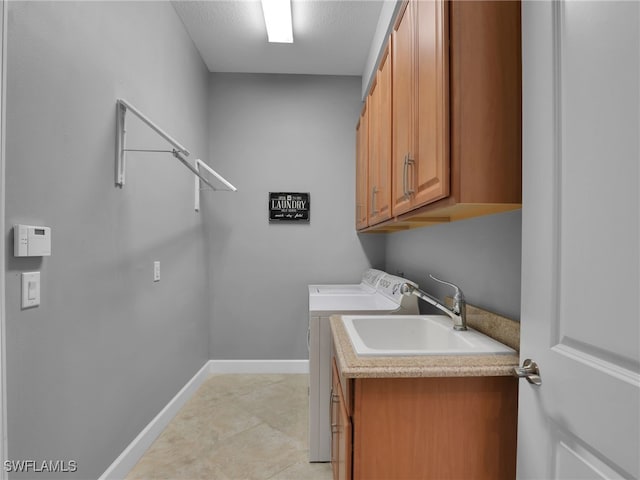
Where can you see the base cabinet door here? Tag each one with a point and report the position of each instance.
(435, 428)
(341, 436)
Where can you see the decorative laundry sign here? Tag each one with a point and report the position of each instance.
(289, 207)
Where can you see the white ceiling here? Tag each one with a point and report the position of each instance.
(331, 37)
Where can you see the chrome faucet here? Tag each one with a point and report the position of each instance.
(459, 311)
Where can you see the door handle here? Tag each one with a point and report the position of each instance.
(410, 181)
(374, 191)
(404, 175)
(530, 371)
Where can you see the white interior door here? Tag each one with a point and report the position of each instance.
(3, 84)
(581, 261)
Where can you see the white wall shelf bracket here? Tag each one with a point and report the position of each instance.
(226, 186)
(178, 151)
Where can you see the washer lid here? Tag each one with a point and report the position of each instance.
(370, 279)
(351, 303)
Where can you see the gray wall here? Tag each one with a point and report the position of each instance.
(272, 133)
(480, 255)
(108, 348)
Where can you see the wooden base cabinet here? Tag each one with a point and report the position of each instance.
(432, 428)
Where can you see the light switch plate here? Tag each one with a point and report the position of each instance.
(30, 289)
(156, 271)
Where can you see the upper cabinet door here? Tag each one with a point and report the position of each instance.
(402, 99)
(430, 170)
(380, 141)
(373, 107)
(420, 105)
(362, 156)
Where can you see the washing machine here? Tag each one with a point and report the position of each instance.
(369, 282)
(385, 298)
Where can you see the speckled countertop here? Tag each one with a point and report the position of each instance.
(355, 366)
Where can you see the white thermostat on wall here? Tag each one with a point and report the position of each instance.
(31, 241)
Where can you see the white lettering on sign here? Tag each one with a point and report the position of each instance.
(282, 204)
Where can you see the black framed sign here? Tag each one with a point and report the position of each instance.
(289, 207)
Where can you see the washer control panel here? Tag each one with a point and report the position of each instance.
(390, 287)
(372, 276)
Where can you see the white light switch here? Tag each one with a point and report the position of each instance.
(156, 271)
(30, 289)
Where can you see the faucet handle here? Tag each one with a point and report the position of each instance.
(459, 296)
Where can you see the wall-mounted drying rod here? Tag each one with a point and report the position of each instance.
(122, 106)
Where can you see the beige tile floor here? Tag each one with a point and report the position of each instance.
(237, 427)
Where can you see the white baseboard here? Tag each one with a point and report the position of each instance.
(122, 465)
(259, 366)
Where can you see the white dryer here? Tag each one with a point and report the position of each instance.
(386, 298)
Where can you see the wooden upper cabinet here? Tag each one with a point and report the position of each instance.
(430, 178)
(456, 112)
(362, 158)
(420, 105)
(486, 102)
(403, 139)
(374, 153)
(379, 194)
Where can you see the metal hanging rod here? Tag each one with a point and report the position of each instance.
(146, 150)
(122, 106)
(200, 163)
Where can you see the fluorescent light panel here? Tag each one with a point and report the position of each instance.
(277, 17)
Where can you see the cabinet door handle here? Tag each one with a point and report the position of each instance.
(404, 175)
(374, 190)
(410, 163)
(333, 398)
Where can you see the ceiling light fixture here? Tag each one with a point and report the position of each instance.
(277, 17)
